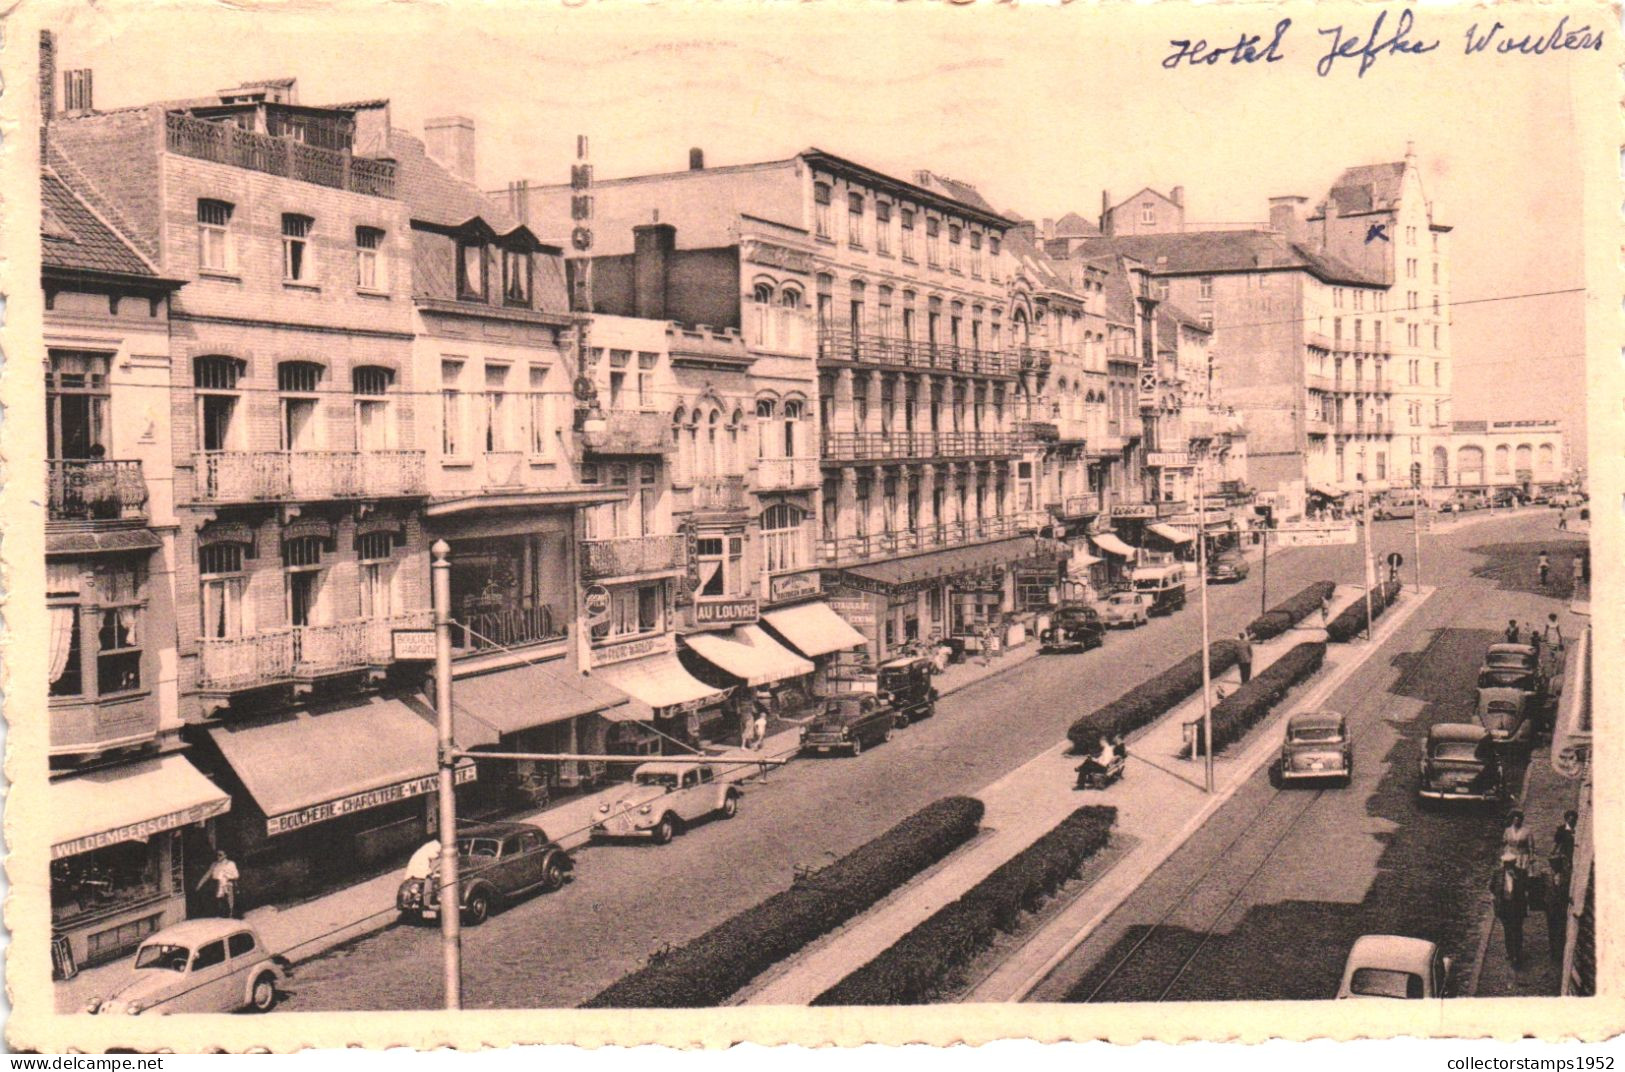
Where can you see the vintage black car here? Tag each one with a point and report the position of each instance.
(905, 684)
(1459, 763)
(1073, 627)
(1227, 566)
(1515, 666)
(1317, 745)
(1505, 713)
(849, 724)
(496, 863)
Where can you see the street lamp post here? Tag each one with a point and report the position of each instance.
(1370, 566)
(1416, 530)
(1207, 669)
(451, 932)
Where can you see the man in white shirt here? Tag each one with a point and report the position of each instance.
(223, 873)
(425, 861)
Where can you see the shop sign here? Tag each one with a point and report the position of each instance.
(858, 613)
(633, 649)
(1170, 507)
(782, 257)
(1168, 459)
(412, 645)
(794, 585)
(1080, 505)
(1134, 510)
(715, 611)
(595, 604)
(1315, 535)
(142, 830)
(372, 798)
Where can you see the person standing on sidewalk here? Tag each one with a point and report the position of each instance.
(223, 873)
(1244, 656)
(1554, 633)
(1511, 905)
(1563, 837)
(759, 728)
(1562, 519)
(1519, 842)
(1557, 905)
(1511, 633)
(1325, 609)
(1544, 564)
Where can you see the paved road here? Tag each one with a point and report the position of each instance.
(559, 949)
(1264, 902)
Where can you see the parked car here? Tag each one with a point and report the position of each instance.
(905, 685)
(1164, 584)
(1505, 713)
(1459, 763)
(1394, 966)
(1501, 498)
(849, 723)
(1073, 627)
(1567, 500)
(1394, 506)
(1515, 666)
(497, 863)
(664, 799)
(1227, 566)
(1130, 609)
(201, 965)
(1317, 745)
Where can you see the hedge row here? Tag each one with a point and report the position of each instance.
(929, 959)
(1352, 622)
(1284, 615)
(1151, 699)
(1234, 715)
(712, 967)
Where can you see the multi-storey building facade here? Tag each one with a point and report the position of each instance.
(1521, 454)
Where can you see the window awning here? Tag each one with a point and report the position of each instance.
(1169, 533)
(524, 697)
(813, 629)
(657, 681)
(748, 653)
(1109, 543)
(309, 767)
(1326, 493)
(951, 562)
(129, 803)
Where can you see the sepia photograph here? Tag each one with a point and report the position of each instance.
(752, 516)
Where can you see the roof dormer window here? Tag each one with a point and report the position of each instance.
(516, 277)
(471, 256)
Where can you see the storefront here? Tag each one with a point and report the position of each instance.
(119, 845)
(1120, 557)
(816, 632)
(319, 795)
(747, 656)
(1170, 539)
(678, 711)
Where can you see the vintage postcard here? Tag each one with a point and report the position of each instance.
(687, 523)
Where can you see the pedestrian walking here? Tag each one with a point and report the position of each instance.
(1544, 564)
(1554, 633)
(1557, 906)
(1244, 656)
(760, 726)
(1563, 837)
(1562, 519)
(425, 861)
(1326, 609)
(1511, 633)
(1511, 905)
(223, 873)
(1518, 840)
(1534, 637)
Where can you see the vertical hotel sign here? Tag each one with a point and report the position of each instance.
(586, 385)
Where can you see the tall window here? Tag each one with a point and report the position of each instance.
(854, 220)
(976, 254)
(821, 210)
(516, 277)
(721, 560)
(1205, 288)
(76, 399)
(118, 636)
(762, 313)
(213, 238)
(883, 321)
(374, 551)
(299, 390)
(905, 228)
(471, 271)
(933, 242)
(765, 412)
(296, 262)
(646, 379)
(369, 266)
(373, 428)
(215, 381)
(302, 581)
(541, 413)
(498, 409)
(956, 240)
(794, 412)
(883, 227)
(784, 540)
(1436, 336)
(223, 587)
(826, 302)
(453, 410)
(619, 363)
(993, 258)
(856, 312)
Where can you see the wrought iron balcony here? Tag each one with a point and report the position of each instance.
(1032, 359)
(227, 143)
(716, 495)
(245, 476)
(878, 350)
(631, 432)
(94, 489)
(900, 445)
(631, 556)
(783, 474)
(298, 653)
(850, 550)
(486, 627)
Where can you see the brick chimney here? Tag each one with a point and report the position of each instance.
(1177, 196)
(450, 143)
(696, 159)
(1105, 212)
(1047, 229)
(652, 247)
(47, 86)
(1286, 217)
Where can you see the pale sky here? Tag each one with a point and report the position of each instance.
(1040, 108)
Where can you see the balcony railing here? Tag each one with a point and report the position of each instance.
(629, 556)
(631, 432)
(1315, 425)
(111, 723)
(781, 474)
(239, 476)
(1039, 431)
(95, 490)
(510, 626)
(299, 653)
(1367, 426)
(717, 494)
(852, 549)
(878, 446)
(227, 143)
(903, 353)
(1032, 359)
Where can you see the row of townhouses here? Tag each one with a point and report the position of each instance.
(761, 429)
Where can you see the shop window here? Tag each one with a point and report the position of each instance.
(506, 591)
(107, 879)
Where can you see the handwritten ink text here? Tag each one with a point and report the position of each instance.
(1245, 50)
(1374, 45)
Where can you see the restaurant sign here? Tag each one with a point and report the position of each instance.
(372, 798)
(1313, 535)
(858, 613)
(633, 649)
(787, 586)
(719, 611)
(1134, 510)
(142, 830)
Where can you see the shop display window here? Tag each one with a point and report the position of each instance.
(103, 880)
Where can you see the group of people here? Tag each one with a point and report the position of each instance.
(1517, 889)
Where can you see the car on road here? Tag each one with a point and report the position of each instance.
(1128, 609)
(1505, 713)
(905, 685)
(1393, 507)
(1394, 966)
(1515, 666)
(1164, 584)
(497, 863)
(1459, 763)
(664, 799)
(1317, 745)
(1227, 566)
(1504, 498)
(201, 965)
(1073, 627)
(849, 723)
(1567, 500)
(1463, 501)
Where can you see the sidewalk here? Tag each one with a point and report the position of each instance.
(1159, 805)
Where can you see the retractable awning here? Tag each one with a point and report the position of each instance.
(1110, 544)
(951, 562)
(1326, 493)
(129, 803)
(524, 697)
(813, 629)
(1169, 533)
(656, 681)
(749, 654)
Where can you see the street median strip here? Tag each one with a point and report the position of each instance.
(711, 968)
(1287, 613)
(930, 959)
(1241, 710)
(1352, 621)
(1150, 700)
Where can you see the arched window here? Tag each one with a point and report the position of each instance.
(784, 538)
(680, 474)
(790, 297)
(1441, 467)
(1469, 465)
(1525, 460)
(299, 385)
(736, 425)
(1503, 460)
(763, 293)
(766, 410)
(1548, 458)
(794, 412)
(215, 380)
(715, 444)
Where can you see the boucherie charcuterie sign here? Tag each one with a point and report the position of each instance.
(372, 798)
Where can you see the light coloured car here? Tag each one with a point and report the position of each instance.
(1128, 609)
(201, 965)
(1317, 745)
(664, 799)
(1394, 966)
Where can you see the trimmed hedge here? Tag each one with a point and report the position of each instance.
(1352, 621)
(711, 968)
(929, 959)
(1234, 715)
(1284, 615)
(1151, 699)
